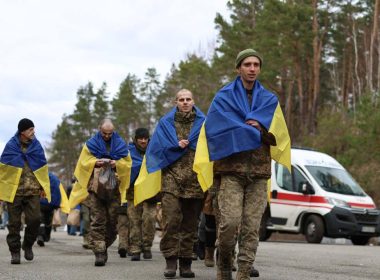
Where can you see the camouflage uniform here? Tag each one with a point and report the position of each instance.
(103, 217)
(85, 220)
(123, 229)
(182, 198)
(141, 224)
(27, 200)
(242, 198)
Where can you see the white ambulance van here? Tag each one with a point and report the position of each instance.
(319, 198)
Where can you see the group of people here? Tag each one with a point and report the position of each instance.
(218, 164)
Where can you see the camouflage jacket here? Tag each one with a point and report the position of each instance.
(29, 184)
(179, 178)
(255, 163)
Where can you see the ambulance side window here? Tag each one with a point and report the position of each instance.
(283, 177)
(298, 179)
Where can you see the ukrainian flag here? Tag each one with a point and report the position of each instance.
(224, 131)
(12, 162)
(95, 148)
(162, 151)
(58, 195)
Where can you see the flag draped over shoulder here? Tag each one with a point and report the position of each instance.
(12, 162)
(162, 151)
(95, 148)
(58, 195)
(137, 159)
(225, 132)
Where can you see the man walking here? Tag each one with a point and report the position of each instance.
(142, 216)
(23, 180)
(102, 156)
(244, 128)
(171, 151)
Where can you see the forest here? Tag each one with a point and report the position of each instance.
(321, 58)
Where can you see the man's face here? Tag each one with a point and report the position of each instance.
(106, 132)
(142, 143)
(28, 134)
(249, 69)
(184, 101)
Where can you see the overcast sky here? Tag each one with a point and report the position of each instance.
(49, 48)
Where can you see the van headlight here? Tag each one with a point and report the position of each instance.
(337, 202)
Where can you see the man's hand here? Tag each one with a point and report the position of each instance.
(99, 163)
(183, 143)
(113, 163)
(42, 194)
(254, 124)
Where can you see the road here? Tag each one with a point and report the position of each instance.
(64, 258)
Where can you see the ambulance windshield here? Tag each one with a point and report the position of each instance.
(335, 180)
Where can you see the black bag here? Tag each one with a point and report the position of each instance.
(107, 183)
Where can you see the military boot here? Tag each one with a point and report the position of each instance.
(243, 273)
(40, 241)
(100, 259)
(28, 253)
(209, 256)
(171, 267)
(122, 252)
(185, 268)
(15, 257)
(224, 271)
(147, 254)
(254, 272)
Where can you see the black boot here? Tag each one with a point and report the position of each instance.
(122, 252)
(15, 257)
(28, 253)
(185, 268)
(171, 267)
(40, 241)
(254, 272)
(100, 259)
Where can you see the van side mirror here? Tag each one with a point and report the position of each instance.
(306, 188)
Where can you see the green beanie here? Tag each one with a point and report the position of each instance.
(246, 53)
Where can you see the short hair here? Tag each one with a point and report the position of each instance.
(183, 90)
(105, 121)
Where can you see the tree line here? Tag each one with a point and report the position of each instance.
(321, 57)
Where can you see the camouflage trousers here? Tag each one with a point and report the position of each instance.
(180, 219)
(103, 222)
(46, 219)
(241, 202)
(141, 226)
(85, 220)
(30, 205)
(123, 228)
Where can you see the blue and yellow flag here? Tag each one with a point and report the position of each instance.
(162, 151)
(12, 162)
(95, 148)
(137, 159)
(58, 195)
(225, 132)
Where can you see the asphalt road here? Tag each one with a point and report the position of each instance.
(64, 258)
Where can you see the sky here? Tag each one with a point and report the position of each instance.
(50, 48)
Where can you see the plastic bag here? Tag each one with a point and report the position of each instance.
(57, 218)
(107, 183)
(73, 219)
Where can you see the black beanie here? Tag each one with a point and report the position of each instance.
(141, 133)
(24, 124)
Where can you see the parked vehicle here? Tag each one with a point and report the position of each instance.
(319, 198)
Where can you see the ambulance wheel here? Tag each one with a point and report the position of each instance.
(264, 233)
(314, 229)
(360, 240)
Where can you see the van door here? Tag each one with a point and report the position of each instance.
(287, 199)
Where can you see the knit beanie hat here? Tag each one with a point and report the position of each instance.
(246, 53)
(141, 133)
(24, 124)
